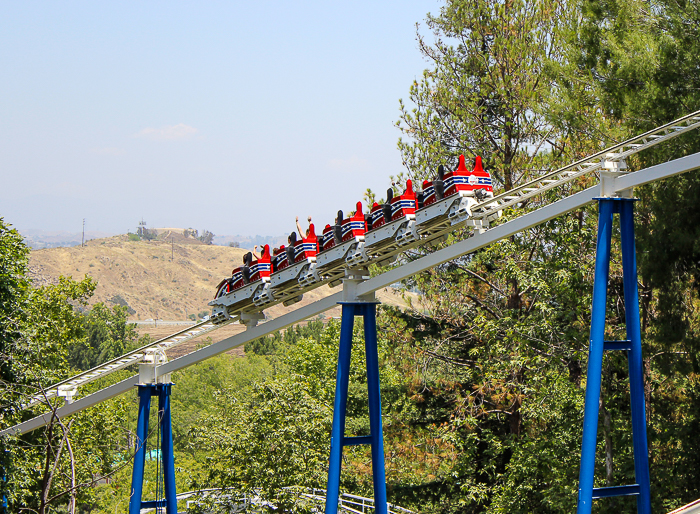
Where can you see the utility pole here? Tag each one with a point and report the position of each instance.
(83, 241)
(172, 254)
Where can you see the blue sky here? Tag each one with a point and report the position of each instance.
(229, 116)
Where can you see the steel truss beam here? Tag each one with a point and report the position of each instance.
(618, 184)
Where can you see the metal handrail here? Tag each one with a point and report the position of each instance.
(345, 500)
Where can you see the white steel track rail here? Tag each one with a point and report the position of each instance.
(68, 386)
(595, 162)
(476, 241)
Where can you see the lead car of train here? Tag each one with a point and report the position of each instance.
(355, 241)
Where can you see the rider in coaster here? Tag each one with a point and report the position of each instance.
(301, 232)
(245, 262)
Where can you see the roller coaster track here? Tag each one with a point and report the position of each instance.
(146, 353)
(491, 208)
(424, 235)
(593, 163)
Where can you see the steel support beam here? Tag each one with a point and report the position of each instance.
(368, 312)
(136, 503)
(586, 492)
(100, 396)
(658, 172)
(250, 334)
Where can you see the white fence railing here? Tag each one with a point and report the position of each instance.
(348, 503)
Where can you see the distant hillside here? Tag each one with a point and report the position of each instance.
(141, 274)
(144, 276)
(38, 239)
(52, 239)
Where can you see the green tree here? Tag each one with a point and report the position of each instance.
(277, 343)
(58, 465)
(483, 92)
(206, 237)
(273, 438)
(195, 391)
(14, 288)
(276, 434)
(498, 338)
(107, 336)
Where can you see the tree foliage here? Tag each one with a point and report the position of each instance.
(500, 337)
(483, 91)
(59, 464)
(107, 335)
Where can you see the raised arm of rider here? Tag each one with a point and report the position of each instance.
(301, 232)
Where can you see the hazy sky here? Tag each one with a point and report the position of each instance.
(230, 116)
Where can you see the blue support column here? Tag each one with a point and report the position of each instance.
(166, 448)
(140, 456)
(368, 311)
(136, 503)
(634, 357)
(632, 346)
(375, 408)
(340, 407)
(5, 465)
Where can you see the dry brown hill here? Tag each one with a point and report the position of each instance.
(155, 279)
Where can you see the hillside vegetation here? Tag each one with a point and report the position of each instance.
(155, 279)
